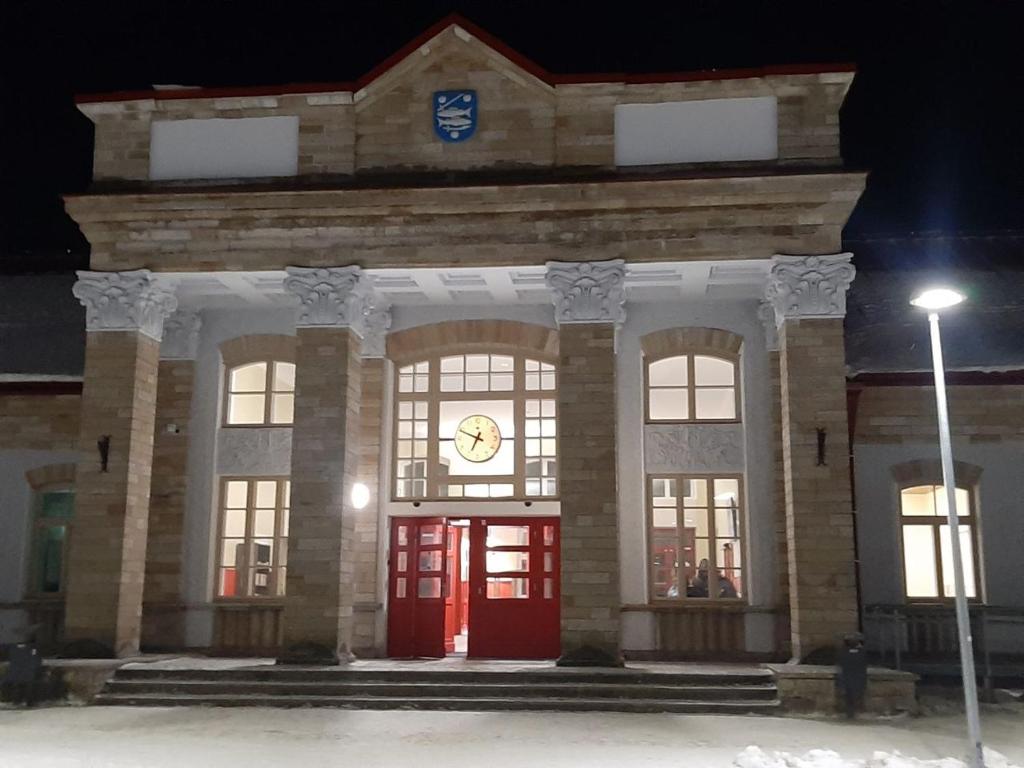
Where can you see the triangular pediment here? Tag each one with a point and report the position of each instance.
(452, 48)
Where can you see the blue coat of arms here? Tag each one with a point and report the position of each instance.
(455, 115)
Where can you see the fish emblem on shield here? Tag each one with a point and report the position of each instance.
(455, 115)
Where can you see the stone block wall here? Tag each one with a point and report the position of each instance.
(527, 117)
(320, 579)
(163, 614)
(364, 543)
(108, 551)
(39, 420)
(819, 519)
(812, 689)
(979, 414)
(587, 473)
(326, 135)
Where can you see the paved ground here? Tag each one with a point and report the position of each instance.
(119, 737)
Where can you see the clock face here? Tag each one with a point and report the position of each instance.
(477, 438)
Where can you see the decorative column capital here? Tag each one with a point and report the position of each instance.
(328, 296)
(803, 287)
(181, 336)
(587, 291)
(124, 301)
(374, 326)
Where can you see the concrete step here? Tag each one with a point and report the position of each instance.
(528, 704)
(270, 673)
(441, 689)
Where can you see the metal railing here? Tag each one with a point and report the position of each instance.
(918, 636)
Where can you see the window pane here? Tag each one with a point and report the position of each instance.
(284, 377)
(246, 409)
(405, 383)
(501, 382)
(716, 403)
(668, 404)
(508, 535)
(507, 588)
(500, 562)
(282, 409)
(476, 382)
(919, 561)
(234, 522)
(695, 521)
(918, 501)
(428, 586)
(57, 504)
(670, 372)
(664, 563)
(229, 552)
(249, 378)
(664, 492)
(266, 493)
(501, 364)
(263, 522)
(547, 381)
(712, 371)
(966, 554)
(533, 381)
(696, 568)
(728, 554)
(430, 560)
(727, 492)
(963, 507)
(228, 586)
(451, 383)
(235, 494)
(727, 522)
(695, 492)
(452, 364)
(50, 558)
(476, 363)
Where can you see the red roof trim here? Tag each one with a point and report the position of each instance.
(926, 379)
(485, 37)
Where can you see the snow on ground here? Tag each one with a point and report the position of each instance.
(194, 737)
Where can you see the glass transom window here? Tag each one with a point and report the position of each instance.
(692, 387)
(478, 425)
(260, 394)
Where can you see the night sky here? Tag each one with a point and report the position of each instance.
(935, 111)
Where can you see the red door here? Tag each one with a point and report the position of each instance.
(416, 587)
(514, 588)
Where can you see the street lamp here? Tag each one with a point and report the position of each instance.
(934, 300)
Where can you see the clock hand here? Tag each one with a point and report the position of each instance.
(476, 440)
(468, 433)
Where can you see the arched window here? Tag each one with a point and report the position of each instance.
(927, 546)
(476, 425)
(260, 394)
(692, 388)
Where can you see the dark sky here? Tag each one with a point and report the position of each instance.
(935, 111)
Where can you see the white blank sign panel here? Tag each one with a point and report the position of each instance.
(713, 130)
(245, 147)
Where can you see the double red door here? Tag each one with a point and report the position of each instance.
(513, 587)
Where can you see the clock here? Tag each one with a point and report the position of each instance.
(477, 438)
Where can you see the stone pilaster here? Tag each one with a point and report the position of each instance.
(376, 322)
(808, 296)
(125, 312)
(318, 613)
(163, 610)
(588, 298)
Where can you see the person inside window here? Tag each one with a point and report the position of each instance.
(699, 586)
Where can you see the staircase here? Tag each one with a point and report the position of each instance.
(750, 691)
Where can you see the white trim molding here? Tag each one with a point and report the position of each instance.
(328, 297)
(805, 287)
(124, 301)
(587, 291)
(181, 336)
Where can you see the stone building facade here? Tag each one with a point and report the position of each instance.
(300, 297)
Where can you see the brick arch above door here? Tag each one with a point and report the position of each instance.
(468, 335)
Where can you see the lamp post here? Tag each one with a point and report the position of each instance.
(934, 300)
